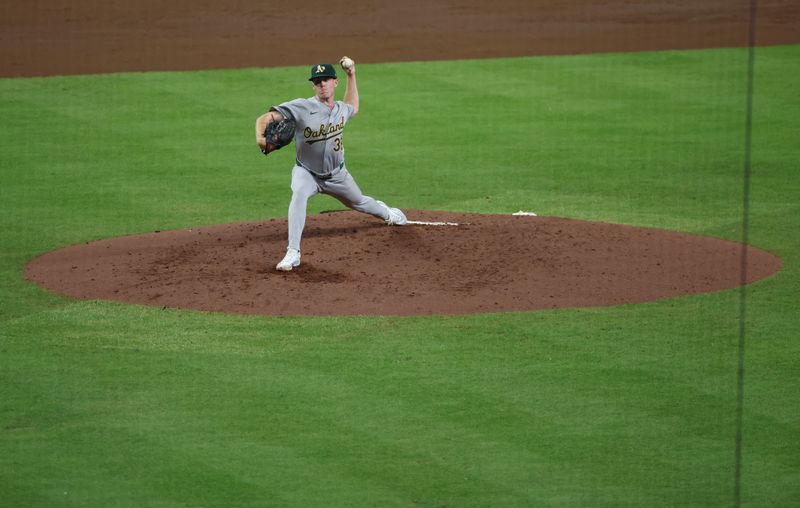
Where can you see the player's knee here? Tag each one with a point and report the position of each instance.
(299, 200)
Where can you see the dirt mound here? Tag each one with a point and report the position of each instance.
(355, 265)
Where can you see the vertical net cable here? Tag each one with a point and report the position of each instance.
(745, 238)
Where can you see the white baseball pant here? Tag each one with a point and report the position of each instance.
(341, 185)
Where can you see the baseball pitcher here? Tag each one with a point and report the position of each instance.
(317, 126)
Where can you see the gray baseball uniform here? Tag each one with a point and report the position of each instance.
(320, 166)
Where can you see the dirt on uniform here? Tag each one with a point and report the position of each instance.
(354, 264)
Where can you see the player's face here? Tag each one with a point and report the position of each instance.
(325, 87)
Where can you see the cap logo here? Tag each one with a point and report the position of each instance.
(320, 68)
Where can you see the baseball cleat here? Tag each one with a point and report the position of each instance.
(289, 261)
(396, 216)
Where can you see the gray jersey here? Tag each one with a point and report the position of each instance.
(318, 137)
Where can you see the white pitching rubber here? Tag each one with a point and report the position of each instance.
(426, 223)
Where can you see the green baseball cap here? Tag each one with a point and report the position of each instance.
(323, 70)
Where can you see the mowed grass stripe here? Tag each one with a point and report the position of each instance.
(108, 404)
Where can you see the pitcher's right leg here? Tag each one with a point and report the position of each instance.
(344, 188)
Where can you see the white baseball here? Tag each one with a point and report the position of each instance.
(346, 63)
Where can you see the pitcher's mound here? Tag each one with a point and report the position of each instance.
(353, 264)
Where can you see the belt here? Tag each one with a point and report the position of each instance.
(326, 176)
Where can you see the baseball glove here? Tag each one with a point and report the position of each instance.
(278, 135)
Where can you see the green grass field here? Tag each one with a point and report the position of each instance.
(104, 404)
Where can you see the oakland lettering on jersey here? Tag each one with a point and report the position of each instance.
(324, 132)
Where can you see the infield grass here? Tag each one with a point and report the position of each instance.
(104, 404)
